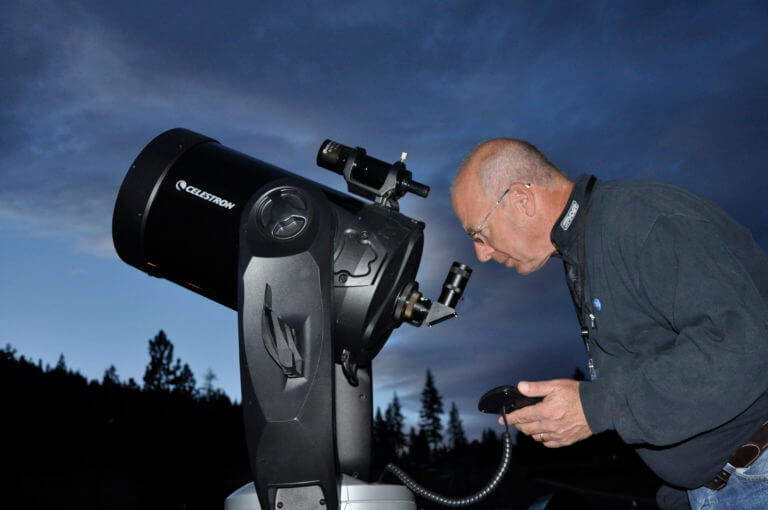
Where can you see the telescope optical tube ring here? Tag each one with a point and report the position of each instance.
(139, 189)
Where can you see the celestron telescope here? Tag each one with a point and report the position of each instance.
(319, 280)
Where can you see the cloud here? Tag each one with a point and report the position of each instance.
(652, 90)
(626, 91)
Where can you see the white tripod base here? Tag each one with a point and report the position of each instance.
(354, 495)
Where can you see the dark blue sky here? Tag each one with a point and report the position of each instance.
(676, 92)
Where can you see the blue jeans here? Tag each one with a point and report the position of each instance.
(747, 488)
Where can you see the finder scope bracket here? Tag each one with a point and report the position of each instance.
(368, 177)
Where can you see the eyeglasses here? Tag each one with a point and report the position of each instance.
(474, 233)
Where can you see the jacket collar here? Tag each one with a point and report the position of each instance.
(569, 227)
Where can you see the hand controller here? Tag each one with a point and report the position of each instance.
(505, 397)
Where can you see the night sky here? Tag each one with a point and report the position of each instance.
(676, 92)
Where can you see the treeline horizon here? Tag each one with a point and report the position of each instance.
(167, 443)
(161, 373)
(166, 373)
(75, 442)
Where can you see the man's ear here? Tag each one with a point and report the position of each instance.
(522, 199)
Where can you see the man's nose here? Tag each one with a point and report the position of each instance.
(483, 252)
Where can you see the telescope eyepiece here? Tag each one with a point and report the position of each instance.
(333, 156)
(414, 308)
(454, 284)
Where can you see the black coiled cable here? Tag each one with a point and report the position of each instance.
(466, 501)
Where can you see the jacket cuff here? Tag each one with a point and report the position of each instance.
(598, 406)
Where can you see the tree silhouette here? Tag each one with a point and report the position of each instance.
(431, 409)
(110, 377)
(383, 445)
(418, 451)
(379, 427)
(455, 429)
(394, 419)
(123, 430)
(8, 353)
(161, 373)
(208, 390)
(184, 380)
(133, 437)
(61, 365)
(165, 375)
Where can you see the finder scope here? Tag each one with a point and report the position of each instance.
(369, 177)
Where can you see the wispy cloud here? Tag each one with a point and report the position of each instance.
(675, 92)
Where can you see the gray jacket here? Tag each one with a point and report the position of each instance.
(674, 294)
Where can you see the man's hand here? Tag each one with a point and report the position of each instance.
(556, 421)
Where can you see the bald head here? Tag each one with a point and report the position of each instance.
(497, 163)
(514, 178)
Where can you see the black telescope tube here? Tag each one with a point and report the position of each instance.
(139, 190)
(177, 214)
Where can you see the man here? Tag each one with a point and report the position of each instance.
(672, 296)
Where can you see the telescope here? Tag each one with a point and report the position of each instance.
(319, 280)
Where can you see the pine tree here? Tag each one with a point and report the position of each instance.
(184, 380)
(418, 450)
(159, 373)
(208, 390)
(382, 440)
(8, 353)
(110, 377)
(379, 429)
(395, 421)
(411, 441)
(61, 364)
(455, 429)
(431, 409)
